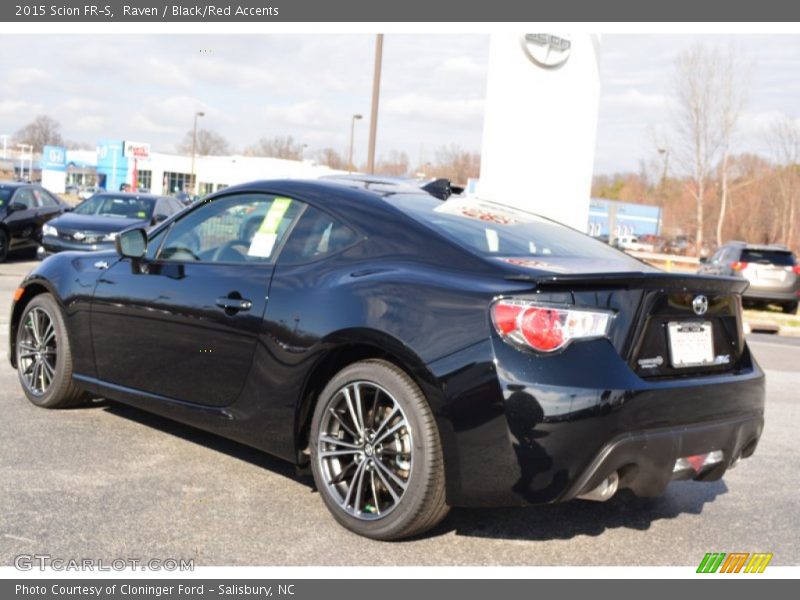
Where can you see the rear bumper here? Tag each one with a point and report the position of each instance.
(645, 461)
(771, 295)
(519, 429)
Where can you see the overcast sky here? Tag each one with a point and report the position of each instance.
(147, 87)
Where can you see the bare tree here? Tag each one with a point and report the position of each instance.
(734, 76)
(396, 163)
(456, 164)
(40, 132)
(277, 147)
(699, 137)
(209, 143)
(331, 158)
(785, 142)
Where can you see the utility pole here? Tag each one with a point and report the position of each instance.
(194, 147)
(376, 90)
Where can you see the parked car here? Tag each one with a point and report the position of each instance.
(24, 209)
(772, 271)
(88, 192)
(96, 222)
(415, 354)
(632, 243)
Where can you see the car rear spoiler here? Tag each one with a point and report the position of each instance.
(636, 280)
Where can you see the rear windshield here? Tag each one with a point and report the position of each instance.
(494, 230)
(120, 207)
(781, 258)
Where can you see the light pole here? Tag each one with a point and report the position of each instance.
(5, 146)
(665, 153)
(303, 152)
(376, 90)
(194, 147)
(22, 148)
(352, 135)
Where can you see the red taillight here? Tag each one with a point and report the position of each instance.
(541, 328)
(796, 269)
(738, 265)
(545, 328)
(505, 317)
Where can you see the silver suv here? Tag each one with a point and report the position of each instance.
(773, 272)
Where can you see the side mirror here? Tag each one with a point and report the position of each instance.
(160, 217)
(132, 243)
(16, 206)
(69, 208)
(703, 260)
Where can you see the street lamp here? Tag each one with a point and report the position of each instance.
(376, 90)
(665, 153)
(352, 134)
(194, 146)
(303, 152)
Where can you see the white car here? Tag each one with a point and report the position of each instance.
(631, 242)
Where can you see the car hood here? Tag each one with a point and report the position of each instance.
(75, 222)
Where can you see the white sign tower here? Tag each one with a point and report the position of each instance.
(540, 124)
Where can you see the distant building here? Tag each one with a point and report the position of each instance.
(613, 218)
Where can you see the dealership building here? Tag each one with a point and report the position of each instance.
(119, 162)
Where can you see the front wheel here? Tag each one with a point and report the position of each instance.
(375, 453)
(44, 357)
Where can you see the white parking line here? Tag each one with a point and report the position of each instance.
(772, 345)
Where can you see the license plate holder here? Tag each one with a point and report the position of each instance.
(691, 343)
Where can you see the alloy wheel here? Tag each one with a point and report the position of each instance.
(37, 351)
(365, 450)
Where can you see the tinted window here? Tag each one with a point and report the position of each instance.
(120, 207)
(495, 230)
(781, 258)
(48, 199)
(238, 228)
(25, 197)
(5, 195)
(317, 234)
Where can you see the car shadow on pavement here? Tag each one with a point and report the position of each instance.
(582, 517)
(207, 440)
(534, 523)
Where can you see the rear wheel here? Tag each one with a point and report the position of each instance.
(790, 308)
(375, 453)
(44, 358)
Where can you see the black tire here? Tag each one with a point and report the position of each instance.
(790, 309)
(4, 241)
(422, 503)
(61, 392)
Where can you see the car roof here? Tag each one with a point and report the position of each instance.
(13, 184)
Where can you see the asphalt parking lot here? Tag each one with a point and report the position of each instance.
(113, 482)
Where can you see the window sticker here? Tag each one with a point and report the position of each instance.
(264, 240)
(141, 214)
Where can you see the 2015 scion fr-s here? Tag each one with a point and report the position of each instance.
(416, 354)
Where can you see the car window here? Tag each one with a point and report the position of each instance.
(45, 198)
(781, 258)
(24, 196)
(237, 228)
(119, 207)
(317, 234)
(491, 229)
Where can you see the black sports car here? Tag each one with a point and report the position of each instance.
(96, 222)
(415, 354)
(24, 209)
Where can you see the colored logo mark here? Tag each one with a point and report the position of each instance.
(734, 562)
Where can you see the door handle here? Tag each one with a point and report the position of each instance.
(233, 305)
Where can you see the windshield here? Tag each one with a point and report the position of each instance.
(5, 195)
(119, 207)
(496, 230)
